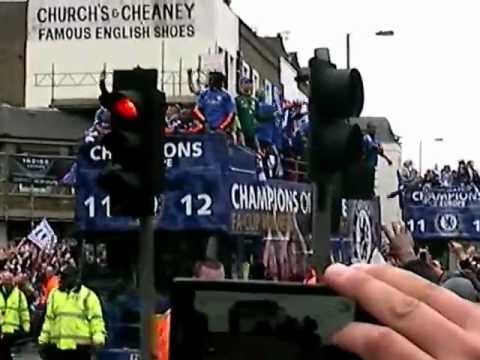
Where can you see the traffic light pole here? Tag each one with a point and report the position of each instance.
(147, 287)
(321, 229)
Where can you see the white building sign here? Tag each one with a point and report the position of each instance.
(214, 62)
(74, 20)
(71, 41)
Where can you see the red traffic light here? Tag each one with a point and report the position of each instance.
(125, 108)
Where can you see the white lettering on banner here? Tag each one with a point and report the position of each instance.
(111, 20)
(90, 204)
(205, 209)
(100, 153)
(449, 198)
(267, 198)
(186, 149)
(414, 226)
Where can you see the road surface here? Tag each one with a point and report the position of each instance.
(27, 352)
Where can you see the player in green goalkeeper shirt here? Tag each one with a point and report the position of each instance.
(246, 112)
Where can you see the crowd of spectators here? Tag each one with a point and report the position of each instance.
(464, 174)
(463, 279)
(34, 268)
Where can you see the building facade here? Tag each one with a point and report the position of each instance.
(258, 63)
(60, 47)
(289, 70)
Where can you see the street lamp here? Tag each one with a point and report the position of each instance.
(420, 153)
(378, 33)
(385, 33)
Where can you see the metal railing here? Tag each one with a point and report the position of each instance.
(172, 82)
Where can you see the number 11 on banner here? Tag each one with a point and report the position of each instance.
(476, 224)
(416, 225)
(89, 203)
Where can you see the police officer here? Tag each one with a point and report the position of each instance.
(14, 314)
(74, 327)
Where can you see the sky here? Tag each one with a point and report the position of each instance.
(424, 79)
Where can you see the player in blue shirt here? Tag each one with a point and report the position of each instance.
(267, 133)
(215, 106)
(373, 148)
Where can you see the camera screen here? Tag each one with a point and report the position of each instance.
(249, 326)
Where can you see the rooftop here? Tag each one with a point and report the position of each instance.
(41, 124)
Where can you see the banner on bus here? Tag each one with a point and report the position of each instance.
(210, 186)
(38, 170)
(443, 213)
(360, 234)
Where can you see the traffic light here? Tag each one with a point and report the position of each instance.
(335, 96)
(135, 175)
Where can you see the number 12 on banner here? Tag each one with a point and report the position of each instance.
(204, 201)
(416, 225)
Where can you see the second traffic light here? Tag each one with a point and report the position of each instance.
(335, 96)
(136, 173)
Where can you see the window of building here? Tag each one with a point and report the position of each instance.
(268, 92)
(276, 95)
(232, 74)
(255, 80)
(245, 70)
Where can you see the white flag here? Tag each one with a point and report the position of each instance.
(43, 235)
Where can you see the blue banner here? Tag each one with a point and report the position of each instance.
(360, 232)
(211, 186)
(443, 213)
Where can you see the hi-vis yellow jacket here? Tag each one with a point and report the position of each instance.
(73, 318)
(14, 314)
